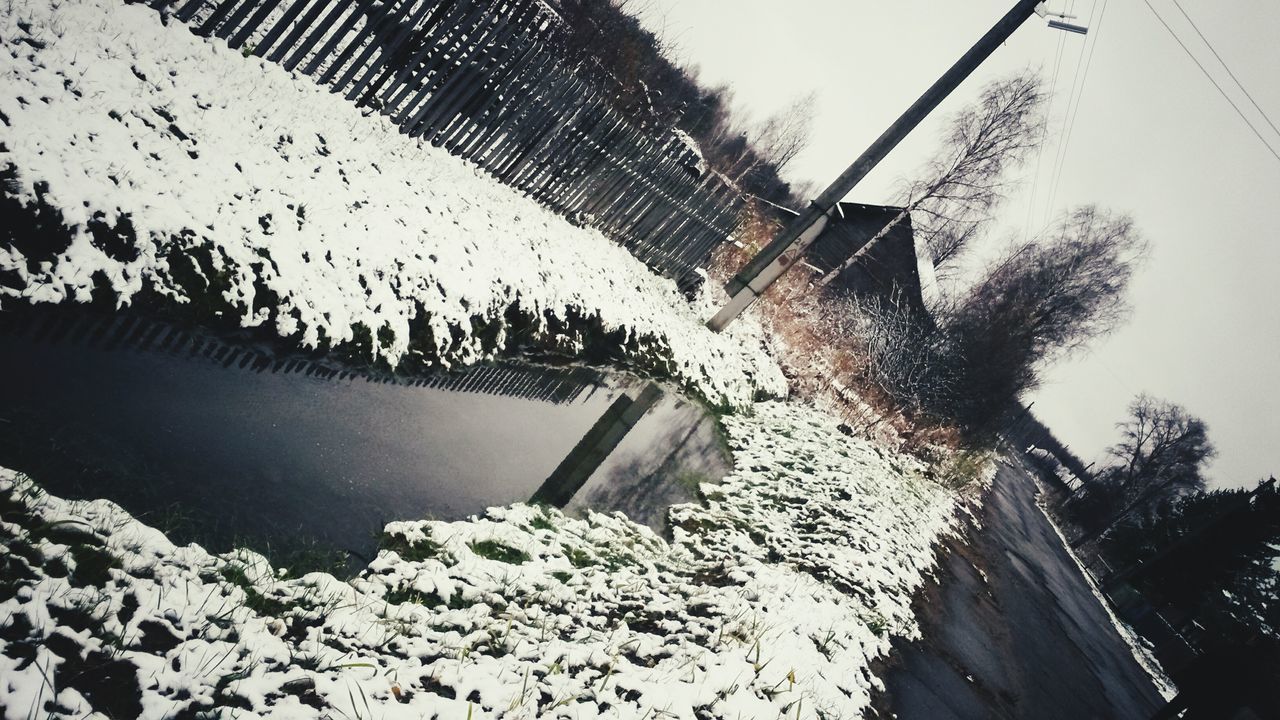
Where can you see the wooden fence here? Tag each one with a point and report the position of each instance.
(490, 81)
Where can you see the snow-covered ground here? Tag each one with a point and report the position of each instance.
(182, 168)
(772, 600)
(177, 168)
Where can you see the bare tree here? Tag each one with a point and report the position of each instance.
(1161, 454)
(951, 202)
(1064, 289)
(905, 358)
(965, 363)
(1161, 443)
(1046, 298)
(786, 133)
(771, 144)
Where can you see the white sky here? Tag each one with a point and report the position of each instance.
(1152, 137)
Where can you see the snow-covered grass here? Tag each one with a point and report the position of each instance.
(148, 162)
(771, 600)
(144, 164)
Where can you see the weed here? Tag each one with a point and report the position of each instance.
(309, 556)
(402, 595)
(615, 560)
(518, 701)
(964, 468)
(877, 625)
(254, 599)
(494, 550)
(542, 522)
(580, 558)
(93, 565)
(416, 551)
(827, 643)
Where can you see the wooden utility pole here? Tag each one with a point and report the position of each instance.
(778, 256)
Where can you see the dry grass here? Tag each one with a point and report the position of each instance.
(815, 342)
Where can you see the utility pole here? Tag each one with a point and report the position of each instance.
(778, 256)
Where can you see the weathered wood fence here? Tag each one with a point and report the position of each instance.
(490, 81)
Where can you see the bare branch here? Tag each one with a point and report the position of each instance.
(952, 199)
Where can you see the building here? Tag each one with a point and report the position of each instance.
(897, 268)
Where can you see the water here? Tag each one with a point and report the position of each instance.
(228, 443)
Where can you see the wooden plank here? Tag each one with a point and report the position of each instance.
(356, 15)
(452, 38)
(392, 50)
(336, 8)
(365, 39)
(242, 36)
(219, 14)
(485, 29)
(426, 41)
(446, 97)
(472, 113)
(273, 35)
(237, 17)
(382, 28)
(500, 40)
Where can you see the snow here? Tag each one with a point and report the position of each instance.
(315, 218)
(772, 598)
(306, 217)
(1063, 474)
(930, 289)
(1142, 651)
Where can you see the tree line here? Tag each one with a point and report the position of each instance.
(1207, 560)
(655, 92)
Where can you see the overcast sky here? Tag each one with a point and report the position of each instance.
(1151, 137)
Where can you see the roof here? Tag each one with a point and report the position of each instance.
(890, 267)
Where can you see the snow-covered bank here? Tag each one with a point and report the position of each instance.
(141, 162)
(1140, 648)
(772, 599)
(180, 168)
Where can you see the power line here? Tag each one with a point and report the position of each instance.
(1071, 124)
(1211, 79)
(1071, 100)
(1044, 130)
(1226, 67)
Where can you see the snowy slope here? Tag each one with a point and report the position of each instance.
(771, 601)
(182, 167)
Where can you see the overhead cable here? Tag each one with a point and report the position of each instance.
(1226, 67)
(1204, 70)
(1044, 129)
(1095, 33)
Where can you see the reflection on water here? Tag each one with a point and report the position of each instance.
(600, 440)
(243, 445)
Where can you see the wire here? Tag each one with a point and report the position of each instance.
(1211, 79)
(1226, 67)
(1071, 124)
(1044, 130)
(1071, 99)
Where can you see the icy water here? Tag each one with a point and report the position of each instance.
(227, 443)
